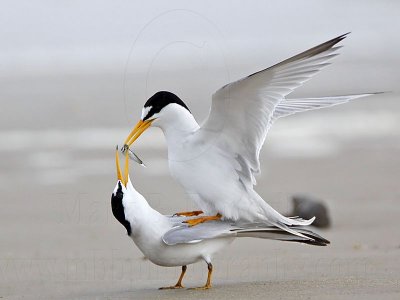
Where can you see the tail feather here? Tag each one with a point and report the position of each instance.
(273, 217)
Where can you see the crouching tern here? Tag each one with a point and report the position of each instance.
(167, 241)
(217, 161)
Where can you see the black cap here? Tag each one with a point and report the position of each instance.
(160, 100)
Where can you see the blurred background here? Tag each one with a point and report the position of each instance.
(74, 76)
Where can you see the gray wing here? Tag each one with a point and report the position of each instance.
(183, 234)
(274, 233)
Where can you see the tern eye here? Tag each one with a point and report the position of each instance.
(147, 112)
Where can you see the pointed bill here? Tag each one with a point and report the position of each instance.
(118, 166)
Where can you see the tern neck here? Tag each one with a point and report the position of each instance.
(138, 212)
(178, 127)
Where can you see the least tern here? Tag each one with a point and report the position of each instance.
(167, 241)
(217, 161)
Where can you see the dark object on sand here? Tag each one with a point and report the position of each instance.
(307, 207)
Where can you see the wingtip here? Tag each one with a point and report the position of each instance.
(343, 36)
(378, 93)
(373, 93)
(340, 38)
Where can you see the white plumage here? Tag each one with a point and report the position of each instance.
(167, 241)
(216, 162)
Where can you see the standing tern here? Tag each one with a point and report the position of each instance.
(167, 241)
(217, 161)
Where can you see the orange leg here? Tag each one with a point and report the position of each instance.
(189, 213)
(194, 222)
(178, 285)
(208, 283)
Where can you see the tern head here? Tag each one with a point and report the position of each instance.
(121, 192)
(159, 110)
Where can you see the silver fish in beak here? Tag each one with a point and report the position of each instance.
(126, 150)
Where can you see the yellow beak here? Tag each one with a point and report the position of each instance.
(123, 179)
(139, 128)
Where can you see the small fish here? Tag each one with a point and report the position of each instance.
(132, 155)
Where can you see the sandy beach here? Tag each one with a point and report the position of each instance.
(62, 117)
(65, 244)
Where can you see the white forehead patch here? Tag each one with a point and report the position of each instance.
(145, 111)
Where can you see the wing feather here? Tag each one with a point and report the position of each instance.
(183, 234)
(291, 106)
(242, 111)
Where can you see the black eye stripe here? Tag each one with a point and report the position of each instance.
(160, 100)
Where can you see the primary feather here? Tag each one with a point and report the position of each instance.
(291, 106)
(182, 234)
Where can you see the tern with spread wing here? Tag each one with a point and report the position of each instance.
(167, 241)
(217, 161)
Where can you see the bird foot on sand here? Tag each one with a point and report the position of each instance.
(205, 287)
(172, 287)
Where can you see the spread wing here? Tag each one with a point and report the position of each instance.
(242, 111)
